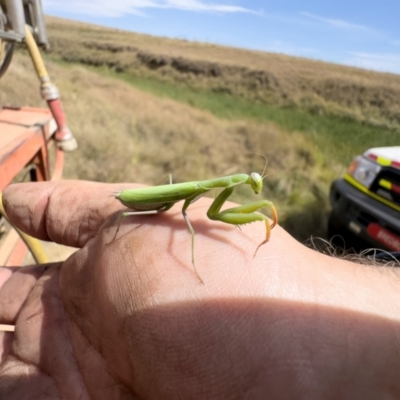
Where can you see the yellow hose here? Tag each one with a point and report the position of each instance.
(35, 54)
(2, 50)
(33, 244)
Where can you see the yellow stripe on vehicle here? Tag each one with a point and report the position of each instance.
(384, 162)
(381, 199)
(385, 184)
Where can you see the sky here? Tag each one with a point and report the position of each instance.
(359, 33)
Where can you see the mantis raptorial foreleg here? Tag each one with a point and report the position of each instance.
(242, 215)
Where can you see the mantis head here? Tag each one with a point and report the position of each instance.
(256, 182)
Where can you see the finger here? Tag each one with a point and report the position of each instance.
(6, 339)
(16, 288)
(41, 347)
(66, 212)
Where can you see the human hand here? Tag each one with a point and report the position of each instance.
(129, 319)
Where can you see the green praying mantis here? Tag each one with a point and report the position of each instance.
(157, 199)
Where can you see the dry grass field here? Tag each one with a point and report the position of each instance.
(129, 134)
(275, 79)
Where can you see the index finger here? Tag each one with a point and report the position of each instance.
(66, 212)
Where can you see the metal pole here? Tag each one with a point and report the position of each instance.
(39, 26)
(16, 16)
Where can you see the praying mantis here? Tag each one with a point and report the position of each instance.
(157, 199)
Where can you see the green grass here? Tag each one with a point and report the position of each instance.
(338, 138)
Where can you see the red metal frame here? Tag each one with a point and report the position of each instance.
(25, 135)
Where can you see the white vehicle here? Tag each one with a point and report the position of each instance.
(367, 200)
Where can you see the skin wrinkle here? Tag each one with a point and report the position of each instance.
(17, 275)
(18, 360)
(90, 349)
(52, 302)
(51, 210)
(78, 366)
(6, 340)
(74, 310)
(102, 346)
(43, 222)
(83, 237)
(51, 225)
(129, 302)
(14, 386)
(126, 258)
(89, 226)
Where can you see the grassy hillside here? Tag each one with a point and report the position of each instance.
(138, 120)
(272, 79)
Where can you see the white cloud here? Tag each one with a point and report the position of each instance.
(117, 8)
(339, 23)
(195, 5)
(384, 62)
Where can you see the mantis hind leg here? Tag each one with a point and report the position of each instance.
(130, 213)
